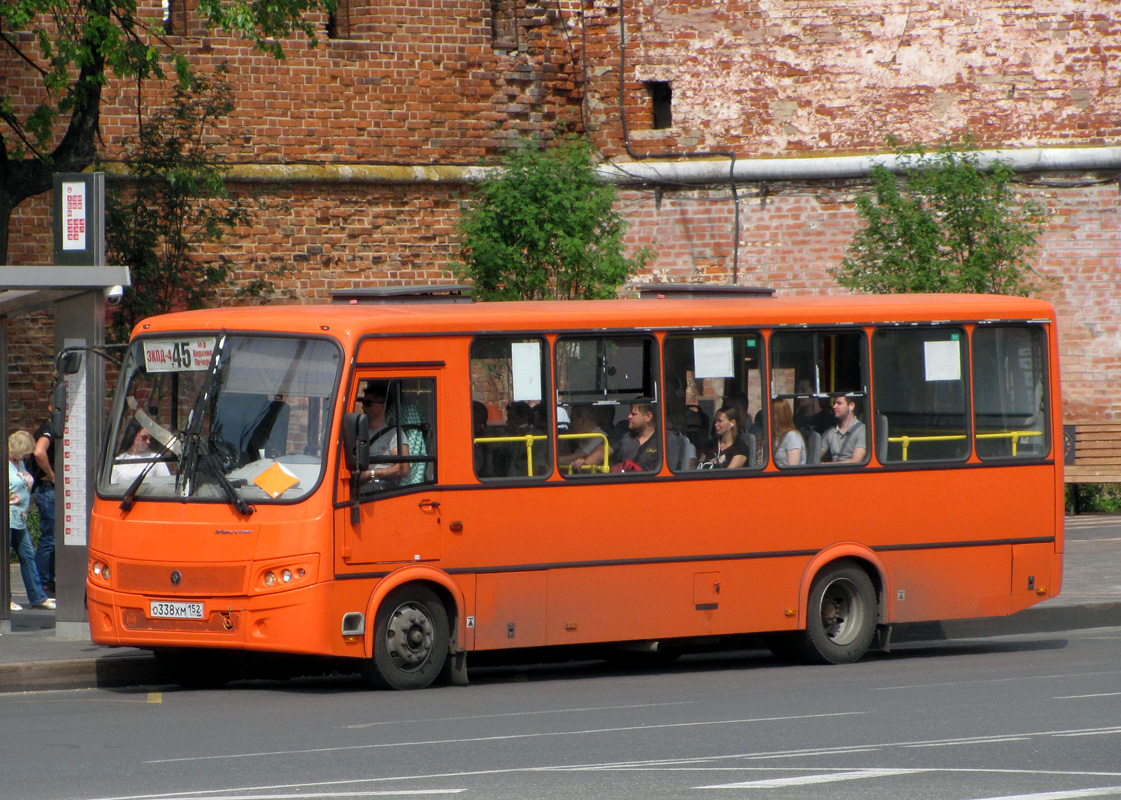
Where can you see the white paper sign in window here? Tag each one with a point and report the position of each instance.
(943, 361)
(712, 357)
(525, 360)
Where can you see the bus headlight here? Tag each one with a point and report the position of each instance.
(276, 577)
(99, 569)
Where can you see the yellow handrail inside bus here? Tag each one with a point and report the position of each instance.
(1015, 436)
(530, 438)
(606, 466)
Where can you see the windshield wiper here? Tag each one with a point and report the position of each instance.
(228, 488)
(130, 495)
(188, 457)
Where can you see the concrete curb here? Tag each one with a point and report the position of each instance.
(88, 673)
(115, 670)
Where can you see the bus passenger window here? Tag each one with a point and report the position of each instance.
(1010, 392)
(607, 386)
(919, 385)
(714, 401)
(822, 373)
(509, 413)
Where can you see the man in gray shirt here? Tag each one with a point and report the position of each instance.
(847, 442)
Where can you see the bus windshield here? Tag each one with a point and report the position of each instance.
(220, 418)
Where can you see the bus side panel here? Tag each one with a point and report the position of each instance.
(1036, 569)
(949, 584)
(510, 610)
(665, 601)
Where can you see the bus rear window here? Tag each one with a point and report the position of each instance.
(1010, 392)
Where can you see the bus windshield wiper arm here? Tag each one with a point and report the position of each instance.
(228, 488)
(129, 498)
(130, 494)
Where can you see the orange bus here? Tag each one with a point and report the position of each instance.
(403, 484)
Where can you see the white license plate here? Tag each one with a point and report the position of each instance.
(175, 610)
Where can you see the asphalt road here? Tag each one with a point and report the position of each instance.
(1035, 717)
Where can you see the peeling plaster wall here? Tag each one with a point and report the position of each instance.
(776, 78)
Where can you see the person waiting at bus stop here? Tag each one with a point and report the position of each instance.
(383, 438)
(639, 450)
(847, 441)
(20, 445)
(41, 466)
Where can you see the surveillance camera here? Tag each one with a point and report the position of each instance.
(114, 294)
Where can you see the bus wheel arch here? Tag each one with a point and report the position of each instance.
(842, 605)
(415, 637)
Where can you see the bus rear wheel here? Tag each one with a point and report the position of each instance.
(410, 639)
(840, 617)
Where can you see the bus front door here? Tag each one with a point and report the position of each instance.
(399, 517)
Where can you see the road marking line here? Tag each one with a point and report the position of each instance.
(503, 738)
(155, 697)
(1082, 696)
(237, 794)
(1058, 676)
(993, 740)
(1102, 791)
(361, 725)
(807, 780)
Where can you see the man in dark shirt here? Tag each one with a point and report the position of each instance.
(640, 450)
(41, 466)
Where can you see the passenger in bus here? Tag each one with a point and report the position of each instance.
(789, 447)
(383, 438)
(681, 453)
(639, 450)
(136, 444)
(847, 441)
(588, 450)
(483, 451)
(730, 451)
(811, 413)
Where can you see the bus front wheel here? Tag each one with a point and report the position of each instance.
(410, 639)
(840, 617)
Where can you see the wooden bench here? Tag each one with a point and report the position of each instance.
(1097, 453)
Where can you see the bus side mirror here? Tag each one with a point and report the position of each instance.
(356, 441)
(70, 363)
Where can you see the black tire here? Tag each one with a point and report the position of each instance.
(840, 616)
(410, 640)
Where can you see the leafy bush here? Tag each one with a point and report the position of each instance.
(545, 228)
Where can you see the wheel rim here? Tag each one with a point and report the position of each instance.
(842, 611)
(409, 636)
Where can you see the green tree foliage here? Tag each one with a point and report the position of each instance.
(945, 224)
(74, 48)
(545, 228)
(175, 202)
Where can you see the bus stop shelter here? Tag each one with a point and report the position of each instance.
(78, 296)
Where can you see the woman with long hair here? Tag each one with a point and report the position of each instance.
(789, 446)
(731, 451)
(20, 446)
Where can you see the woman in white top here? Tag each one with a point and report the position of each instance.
(137, 446)
(789, 447)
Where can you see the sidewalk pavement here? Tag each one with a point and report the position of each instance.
(34, 658)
